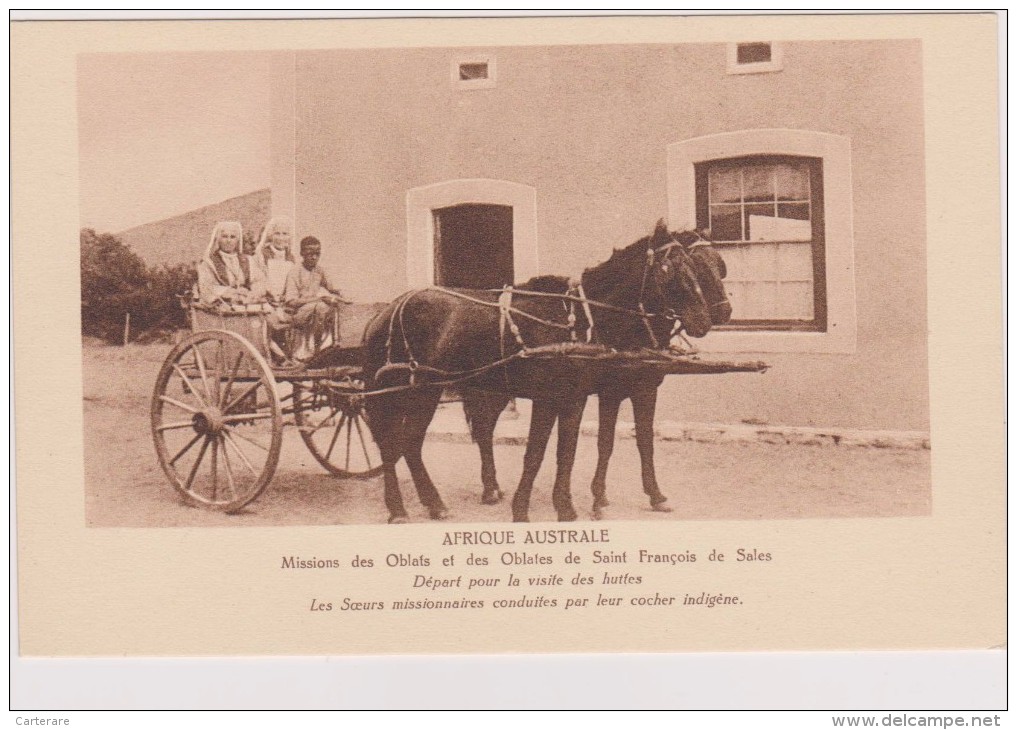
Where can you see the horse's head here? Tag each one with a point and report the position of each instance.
(676, 286)
(710, 270)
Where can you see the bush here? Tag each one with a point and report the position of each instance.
(115, 281)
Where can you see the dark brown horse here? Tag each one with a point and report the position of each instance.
(483, 408)
(429, 338)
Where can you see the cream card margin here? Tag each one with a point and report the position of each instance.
(917, 583)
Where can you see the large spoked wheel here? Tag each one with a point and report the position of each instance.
(217, 420)
(333, 423)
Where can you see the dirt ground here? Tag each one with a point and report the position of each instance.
(125, 486)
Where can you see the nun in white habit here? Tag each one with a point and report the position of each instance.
(273, 260)
(224, 274)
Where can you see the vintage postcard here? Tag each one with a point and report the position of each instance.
(508, 335)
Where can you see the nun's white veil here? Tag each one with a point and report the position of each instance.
(264, 247)
(213, 245)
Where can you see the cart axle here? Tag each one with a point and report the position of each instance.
(208, 421)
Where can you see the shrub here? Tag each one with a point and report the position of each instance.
(115, 281)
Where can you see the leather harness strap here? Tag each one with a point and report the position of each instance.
(587, 310)
(505, 306)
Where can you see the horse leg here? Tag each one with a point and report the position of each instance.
(385, 418)
(569, 420)
(419, 418)
(482, 410)
(609, 403)
(644, 406)
(541, 422)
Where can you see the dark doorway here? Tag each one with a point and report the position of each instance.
(473, 246)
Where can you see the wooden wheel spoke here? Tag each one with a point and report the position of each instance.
(175, 424)
(349, 441)
(335, 437)
(220, 367)
(246, 392)
(363, 443)
(243, 457)
(197, 463)
(329, 420)
(189, 385)
(202, 370)
(185, 449)
(215, 466)
(230, 481)
(233, 376)
(178, 404)
(323, 423)
(234, 432)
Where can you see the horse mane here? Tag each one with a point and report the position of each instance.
(620, 257)
(687, 238)
(547, 283)
(633, 254)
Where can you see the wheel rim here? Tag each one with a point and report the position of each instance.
(333, 424)
(217, 421)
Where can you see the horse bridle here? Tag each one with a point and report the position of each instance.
(706, 242)
(659, 256)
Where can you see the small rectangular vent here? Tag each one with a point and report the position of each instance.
(473, 71)
(755, 57)
(754, 53)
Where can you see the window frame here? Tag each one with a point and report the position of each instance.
(839, 267)
(818, 323)
(422, 201)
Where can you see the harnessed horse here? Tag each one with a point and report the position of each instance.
(483, 408)
(435, 337)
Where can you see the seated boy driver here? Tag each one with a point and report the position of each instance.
(310, 298)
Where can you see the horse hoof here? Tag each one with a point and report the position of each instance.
(520, 518)
(398, 520)
(569, 516)
(597, 514)
(661, 506)
(492, 497)
(438, 513)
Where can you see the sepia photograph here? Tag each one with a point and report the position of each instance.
(650, 337)
(367, 285)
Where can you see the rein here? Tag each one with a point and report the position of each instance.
(504, 305)
(564, 296)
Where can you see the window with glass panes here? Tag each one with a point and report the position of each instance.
(765, 214)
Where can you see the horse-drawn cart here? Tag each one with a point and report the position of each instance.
(219, 407)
